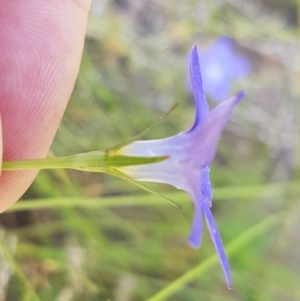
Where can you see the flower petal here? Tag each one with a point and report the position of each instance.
(206, 184)
(216, 239)
(195, 236)
(202, 108)
(207, 136)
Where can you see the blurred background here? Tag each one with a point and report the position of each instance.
(88, 236)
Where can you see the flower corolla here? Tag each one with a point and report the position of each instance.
(188, 156)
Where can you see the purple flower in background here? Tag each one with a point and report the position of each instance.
(188, 157)
(221, 66)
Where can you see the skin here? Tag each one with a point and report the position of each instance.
(41, 47)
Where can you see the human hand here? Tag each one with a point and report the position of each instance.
(41, 47)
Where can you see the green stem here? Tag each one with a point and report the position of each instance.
(92, 161)
(97, 161)
(47, 163)
(232, 248)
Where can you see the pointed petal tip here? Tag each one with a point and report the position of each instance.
(216, 239)
(193, 242)
(228, 281)
(227, 274)
(194, 48)
(195, 236)
(240, 95)
(194, 53)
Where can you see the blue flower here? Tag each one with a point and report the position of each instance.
(221, 66)
(189, 155)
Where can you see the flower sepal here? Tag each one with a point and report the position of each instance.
(105, 161)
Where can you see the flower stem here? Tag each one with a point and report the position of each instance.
(96, 161)
(47, 163)
(92, 161)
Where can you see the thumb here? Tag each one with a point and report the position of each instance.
(41, 46)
